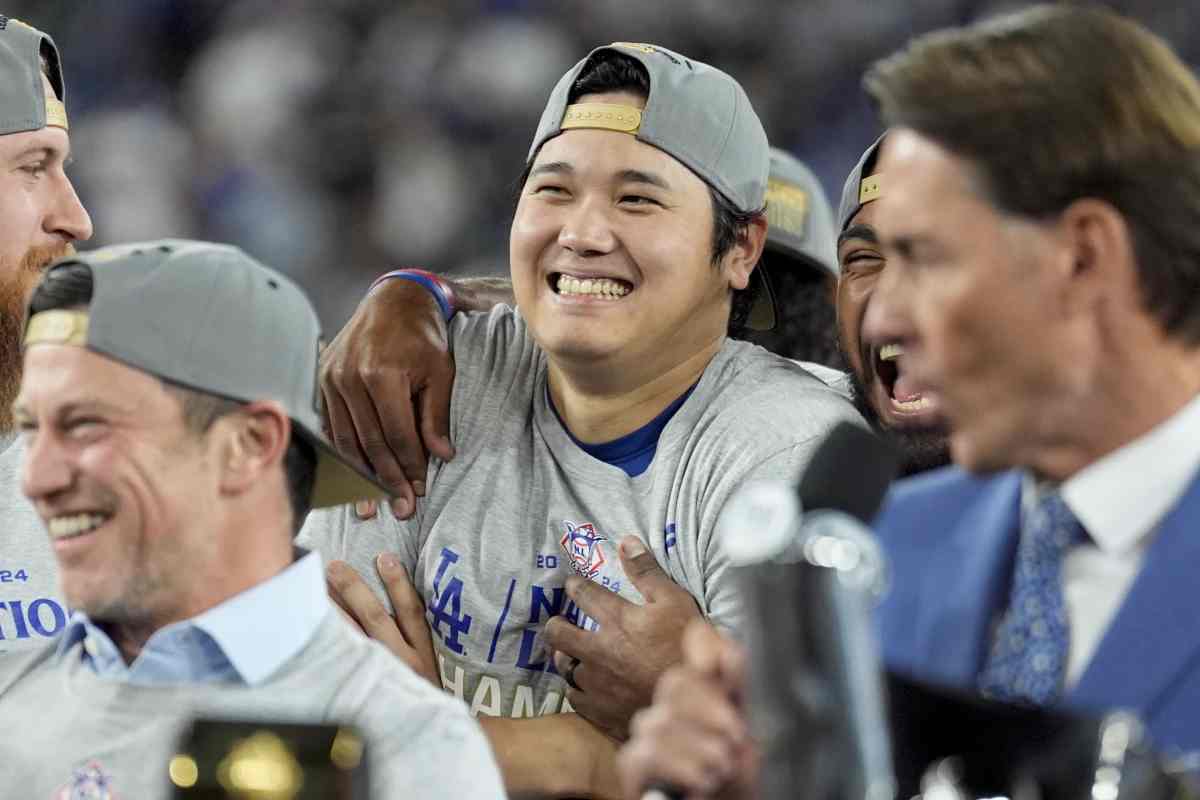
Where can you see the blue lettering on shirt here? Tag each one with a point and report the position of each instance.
(447, 608)
(448, 557)
(539, 601)
(670, 539)
(18, 616)
(43, 617)
(525, 656)
(58, 617)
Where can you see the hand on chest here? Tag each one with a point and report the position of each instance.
(488, 591)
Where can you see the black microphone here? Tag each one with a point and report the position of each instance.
(816, 700)
(850, 472)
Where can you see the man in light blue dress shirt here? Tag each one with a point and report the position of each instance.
(173, 447)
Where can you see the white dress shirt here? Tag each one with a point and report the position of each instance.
(1120, 500)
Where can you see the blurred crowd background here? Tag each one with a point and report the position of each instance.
(335, 139)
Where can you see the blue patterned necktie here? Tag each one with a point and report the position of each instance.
(1028, 658)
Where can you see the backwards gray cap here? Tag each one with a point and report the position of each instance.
(695, 112)
(800, 227)
(25, 105)
(210, 318)
(860, 189)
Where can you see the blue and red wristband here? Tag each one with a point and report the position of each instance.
(436, 285)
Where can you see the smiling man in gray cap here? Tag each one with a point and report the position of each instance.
(611, 409)
(40, 217)
(394, 347)
(169, 412)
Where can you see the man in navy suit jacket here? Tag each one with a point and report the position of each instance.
(1043, 234)
(1041, 225)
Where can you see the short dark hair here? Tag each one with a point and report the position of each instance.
(71, 286)
(1058, 103)
(51, 68)
(612, 71)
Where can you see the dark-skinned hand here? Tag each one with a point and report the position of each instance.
(386, 380)
(620, 663)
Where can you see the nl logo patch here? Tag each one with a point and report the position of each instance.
(88, 782)
(581, 543)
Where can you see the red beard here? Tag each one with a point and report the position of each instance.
(17, 282)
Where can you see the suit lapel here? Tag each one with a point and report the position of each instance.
(1156, 632)
(966, 581)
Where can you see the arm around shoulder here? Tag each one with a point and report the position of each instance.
(481, 294)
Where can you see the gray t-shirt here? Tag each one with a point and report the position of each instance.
(833, 378)
(521, 505)
(69, 729)
(31, 607)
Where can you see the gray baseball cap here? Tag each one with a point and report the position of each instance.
(800, 226)
(859, 189)
(209, 317)
(696, 113)
(24, 103)
(800, 217)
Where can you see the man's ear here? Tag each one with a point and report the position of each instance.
(1099, 262)
(742, 258)
(253, 444)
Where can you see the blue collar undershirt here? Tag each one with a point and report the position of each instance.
(634, 451)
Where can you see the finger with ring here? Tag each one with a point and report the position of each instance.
(569, 675)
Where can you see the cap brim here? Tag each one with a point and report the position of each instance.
(762, 312)
(339, 482)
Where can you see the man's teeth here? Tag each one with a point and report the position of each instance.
(919, 404)
(595, 287)
(890, 352)
(73, 525)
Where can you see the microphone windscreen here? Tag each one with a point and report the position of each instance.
(850, 472)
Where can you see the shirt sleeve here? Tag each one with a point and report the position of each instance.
(723, 600)
(487, 347)
(778, 425)
(491, 349)
(338, 534)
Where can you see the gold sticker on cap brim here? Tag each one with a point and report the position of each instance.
(787, 207)
(56, 114)
(58, 326)
(645, 48)
(608, 116)
(871, 188)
